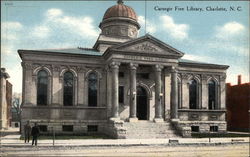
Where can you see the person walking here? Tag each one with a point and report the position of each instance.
(35, 133)
(27, 131)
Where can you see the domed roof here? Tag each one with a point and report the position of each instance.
(120, 10)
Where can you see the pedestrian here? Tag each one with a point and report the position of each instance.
(35, 133)
(27, 131)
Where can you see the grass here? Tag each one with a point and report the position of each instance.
(217, 135)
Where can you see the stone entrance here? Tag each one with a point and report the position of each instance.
(142, 103)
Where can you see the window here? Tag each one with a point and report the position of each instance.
(211, 95)
(92, 89)
(68, 89)
(121, 94)
(68, 128)
(195, 128)
(213, 128)
(193, 92)
(43, 128)
(92, 128)
(42, 87)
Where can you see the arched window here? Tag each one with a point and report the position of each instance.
(68, 86)
(42, 87)
(211, 95)
(92, 89)
(193, 93)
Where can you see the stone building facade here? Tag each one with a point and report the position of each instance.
(5, 100)
(123, 83)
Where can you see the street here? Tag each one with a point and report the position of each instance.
(229, 150)
(11, 145)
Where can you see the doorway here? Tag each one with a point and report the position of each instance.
(141, 103)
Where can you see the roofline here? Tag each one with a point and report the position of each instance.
(204, 65)
(21, 51)
(98, 42)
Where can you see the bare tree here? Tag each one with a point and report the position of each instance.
(16, 109)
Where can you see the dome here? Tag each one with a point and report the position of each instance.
(120, 10)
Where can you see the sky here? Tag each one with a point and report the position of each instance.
(218, 37)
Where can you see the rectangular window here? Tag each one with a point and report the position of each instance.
(195, 128)
(92, 128)
(68, 128)
(213, 128)
(43, 128)
(121, 94)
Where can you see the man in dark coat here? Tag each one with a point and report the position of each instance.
(35, 133)
(27, 131)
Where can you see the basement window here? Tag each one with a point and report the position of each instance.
(67, 128)
(43, 128)
(213, 128)
(92, 128)
(195, 128)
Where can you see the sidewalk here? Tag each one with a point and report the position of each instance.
(13, 141)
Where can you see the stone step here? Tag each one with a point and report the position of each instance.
(148, 129)
(148, 137)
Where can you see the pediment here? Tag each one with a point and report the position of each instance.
(147, 45)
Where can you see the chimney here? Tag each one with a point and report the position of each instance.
(239, 79)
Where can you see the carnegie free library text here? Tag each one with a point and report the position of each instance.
(198, 9)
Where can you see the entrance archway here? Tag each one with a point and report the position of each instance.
(141, 103)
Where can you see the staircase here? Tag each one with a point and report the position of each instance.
(148, 129)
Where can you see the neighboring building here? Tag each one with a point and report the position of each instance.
(5, 100)
(238, 105)
(126, 87)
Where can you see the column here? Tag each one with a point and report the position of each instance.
(174, 94)
(109, 91)
(158, 94)
(115, 86)
(132, 108)
(167, 94)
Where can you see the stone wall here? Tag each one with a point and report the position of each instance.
(56, 117)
